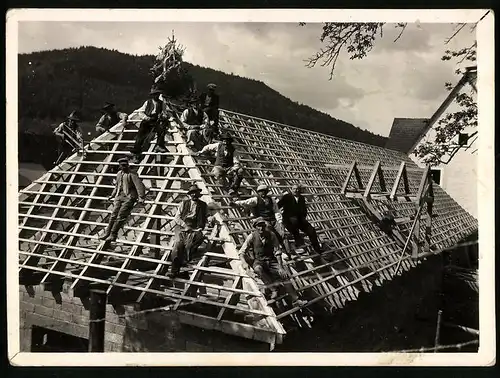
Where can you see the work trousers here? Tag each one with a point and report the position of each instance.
(296, 224)
(268, 271)
(272, 227)
(122, 207)
(186, 244)
(144, 129)
(234, 176)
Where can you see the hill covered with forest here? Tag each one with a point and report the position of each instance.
(54, 83)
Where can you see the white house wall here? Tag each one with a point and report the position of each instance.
(459, 176)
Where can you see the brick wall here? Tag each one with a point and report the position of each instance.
(399, 315)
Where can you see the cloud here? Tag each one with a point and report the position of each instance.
(397, 79)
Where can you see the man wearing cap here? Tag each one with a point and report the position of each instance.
(263, 205)
(261, 251)
(196, 123)
(293, 205)
(155, 113)
(210, 104)
(191, 217)
(128, 190)
(71, 135)
(226, 162)
(110, 118)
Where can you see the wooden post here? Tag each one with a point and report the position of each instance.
(97, 319)
(438, 330)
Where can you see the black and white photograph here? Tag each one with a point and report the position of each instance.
(219, 187)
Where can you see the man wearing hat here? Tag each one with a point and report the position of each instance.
(293, 205)
(261, 251)
(70, 134)
(226, 162)
(128, 190)
(191, 217)
(155, 112)
(210, 105)
(196, 123)
(110, 118)
(263, 205)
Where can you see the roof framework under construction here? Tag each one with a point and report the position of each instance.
(349, 188)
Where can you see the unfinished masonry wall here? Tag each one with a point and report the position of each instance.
(151, 332)
(398, 315)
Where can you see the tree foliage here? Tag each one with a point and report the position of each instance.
(356, 40)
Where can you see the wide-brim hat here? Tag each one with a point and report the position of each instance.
(258, 221)
(211, 86)
(262, 188)
(154, 91)
(108, 106)
(194, 188)
(74, 117)
(226, 136)
(123, 160)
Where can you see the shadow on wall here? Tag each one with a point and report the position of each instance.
(163, 332)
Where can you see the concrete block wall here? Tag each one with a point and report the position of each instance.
(124, 332)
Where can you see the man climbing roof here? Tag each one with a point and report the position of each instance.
(128, 190)
(226, 162)
(71, 136)
(110, 118)
(261, 251)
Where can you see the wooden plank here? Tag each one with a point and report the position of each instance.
(372, 179)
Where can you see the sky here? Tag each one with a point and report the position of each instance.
(397, 79)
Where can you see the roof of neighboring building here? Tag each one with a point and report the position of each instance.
(405, 132)
(28, 172)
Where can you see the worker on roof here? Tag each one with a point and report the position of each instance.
(226, 162)
(70, 134)
(263, 205)
(195, 120)
(293, 205)
(128, 191)
(155, 115)
(191, 218)
(261, 251)
(110, 118)
(210, 105)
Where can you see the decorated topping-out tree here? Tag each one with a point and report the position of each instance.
(171, 75)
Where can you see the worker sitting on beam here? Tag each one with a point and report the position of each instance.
(195, 121)
(128, 190)
(210, 105)
(192, 216)
(293, 205)
(226, 163)
(156, 114)
(263, 205)
(110, 118)
(261, 251)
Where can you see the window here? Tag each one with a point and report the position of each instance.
(463, 138)
(436, 175)
(47, 340)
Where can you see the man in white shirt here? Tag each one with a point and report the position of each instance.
(195, 121)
